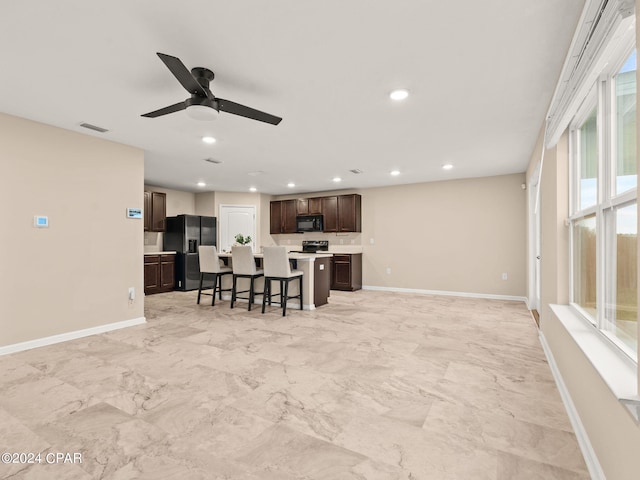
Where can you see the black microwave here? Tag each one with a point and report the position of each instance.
(309, 223)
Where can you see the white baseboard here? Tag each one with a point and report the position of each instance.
(590, 458)
(446, 293)
(64, 337)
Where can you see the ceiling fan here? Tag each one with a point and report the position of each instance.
(203, 105)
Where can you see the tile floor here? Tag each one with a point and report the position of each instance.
(373, 386)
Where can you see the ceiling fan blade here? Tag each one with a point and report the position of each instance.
(237, 109)
(166, 110)
(183, 75)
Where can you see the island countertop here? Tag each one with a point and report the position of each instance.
(291, 255)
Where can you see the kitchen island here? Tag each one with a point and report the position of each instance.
(315, 281)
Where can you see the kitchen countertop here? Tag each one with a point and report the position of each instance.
(160, 253)
(293, 256)
(339, 249)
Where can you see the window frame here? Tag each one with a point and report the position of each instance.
(602, 97)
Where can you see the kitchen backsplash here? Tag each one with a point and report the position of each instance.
(335, 239)
(152, 242)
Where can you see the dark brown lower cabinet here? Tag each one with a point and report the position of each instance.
(159, 273)
(346, 272)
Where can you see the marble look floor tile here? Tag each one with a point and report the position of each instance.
(13, 370)
(372, 386)
(223, 433)
(424, 455)
(107, 437)
(281, 449)
(43, 399)
(505, 433)
(15, 437)
(513, 467)
(47, 472)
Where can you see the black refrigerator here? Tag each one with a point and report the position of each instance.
(184, 234)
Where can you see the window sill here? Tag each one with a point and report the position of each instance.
(618, 371)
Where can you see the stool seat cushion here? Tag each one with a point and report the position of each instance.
(291, 274)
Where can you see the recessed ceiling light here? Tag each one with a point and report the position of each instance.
(447, 166)
(253, 189)
(395, 173)
(209, 140)
(202, 184)
(337, 179)
(291, 184)
(399, 94)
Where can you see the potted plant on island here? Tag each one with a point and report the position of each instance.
(242, 240)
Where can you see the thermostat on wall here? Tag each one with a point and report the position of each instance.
(134, 213)
(41, 221)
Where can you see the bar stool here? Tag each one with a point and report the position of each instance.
(276, 267)
(244, 266)
(210, 264)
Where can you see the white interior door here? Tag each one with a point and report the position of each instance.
(235, 219)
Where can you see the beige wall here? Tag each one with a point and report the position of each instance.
(76, 274)
(614, 435)
(206, 204)
(454, 236)
(612, 432)
(457, 236)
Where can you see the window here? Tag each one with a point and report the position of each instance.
(604, 230)
(625, 126)
(588, 154)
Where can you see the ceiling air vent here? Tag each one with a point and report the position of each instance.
(94, 128)
(357, 171)
(213, 160)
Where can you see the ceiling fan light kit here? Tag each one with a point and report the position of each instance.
(203, 105)
(201, 112)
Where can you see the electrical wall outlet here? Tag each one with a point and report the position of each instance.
(504, 276)
(132, 294)
(388, 270)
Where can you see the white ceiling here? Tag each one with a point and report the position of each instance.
(481, 75)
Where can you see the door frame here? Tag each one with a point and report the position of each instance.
(533, 253)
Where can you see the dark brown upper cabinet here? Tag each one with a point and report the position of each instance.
(283, 216)
(302, 206)
(309, 206)
(350, 213)
(341, 213)
(330, 214)
(155, 212)
(315, 206)
(147, 211)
